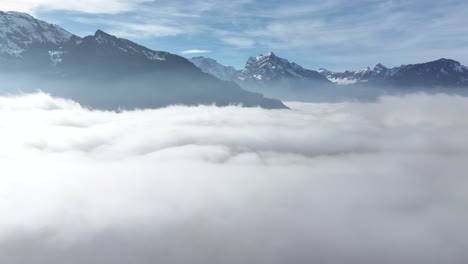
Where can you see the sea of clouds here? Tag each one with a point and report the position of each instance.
(382, 182)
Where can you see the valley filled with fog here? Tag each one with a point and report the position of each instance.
(350, 182)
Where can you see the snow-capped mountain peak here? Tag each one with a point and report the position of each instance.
(379, 66)
(352, 77)
(266, 56)
(263, 73)
(268, 67)
(18, 31)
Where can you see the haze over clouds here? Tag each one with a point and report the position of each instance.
(377, 182)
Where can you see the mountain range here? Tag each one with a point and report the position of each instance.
(268, 74)
(439, 73)
(275, 76)
(106, 72)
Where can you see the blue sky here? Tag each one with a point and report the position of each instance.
(335, 34)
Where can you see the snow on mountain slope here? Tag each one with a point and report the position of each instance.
(262, 68)
(442, 72)
(352, 77)
(19, 30)
(269, 67)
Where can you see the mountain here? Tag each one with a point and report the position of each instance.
(277, 77)
(271, 68)
(352, 77)
(19, 31)
(440, 73)
(268, 74)
(103, 71)
(265, 68)
(227, 73)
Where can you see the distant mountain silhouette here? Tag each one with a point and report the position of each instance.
(440, 73)
(271, 75)
(227, 73)
(277, 77)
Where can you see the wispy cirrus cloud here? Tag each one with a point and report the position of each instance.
(337, 34)
(85, 6)
(340, 33)
(135, 29)
(239, 42)
(195, 51)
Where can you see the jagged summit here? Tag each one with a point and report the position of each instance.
(102, 43)
(379, 67)
(266, 73)
(101, 33)
(270, 67)
(268, 55)
(102, 37)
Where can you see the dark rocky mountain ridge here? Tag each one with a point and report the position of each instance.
(103, 71)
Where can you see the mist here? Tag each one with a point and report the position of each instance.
(352, 182)
(319, 92)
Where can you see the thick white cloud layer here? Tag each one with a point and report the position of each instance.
(378, 182)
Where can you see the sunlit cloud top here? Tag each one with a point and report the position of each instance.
(322, 183)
